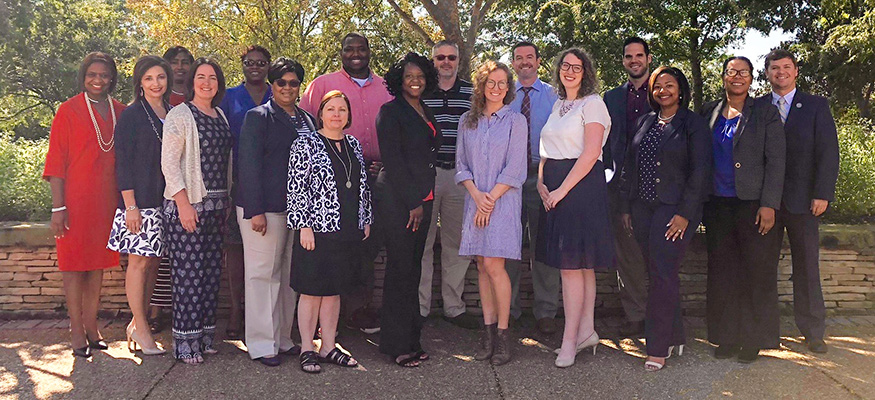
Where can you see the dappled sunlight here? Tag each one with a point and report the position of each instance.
(530, 342)
(465, 358)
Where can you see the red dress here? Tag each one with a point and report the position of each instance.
(89, 185)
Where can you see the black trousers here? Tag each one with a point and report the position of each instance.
(663, 322)
(400, 321)
(808, 307)
(742, 291)
(362, 291)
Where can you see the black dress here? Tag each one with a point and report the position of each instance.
(329, 269)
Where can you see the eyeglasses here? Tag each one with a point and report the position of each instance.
(291, 82)
(576, 68)
(254, 63)
(740, 72)
(441, 57)
(490, 84)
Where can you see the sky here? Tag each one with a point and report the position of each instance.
(756, 45)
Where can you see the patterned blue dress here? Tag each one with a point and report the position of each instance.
(494, 152)
(196, 258)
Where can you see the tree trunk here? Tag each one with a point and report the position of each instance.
(696, 65)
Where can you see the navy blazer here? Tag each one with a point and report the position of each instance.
(138, 155)
(812, 152)
(683, 163)
(758, 149)
(408, 149)
(614, 152)
(266, 139)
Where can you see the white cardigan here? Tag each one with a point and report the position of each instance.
(181, 155)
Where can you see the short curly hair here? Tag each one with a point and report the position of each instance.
(395, 75)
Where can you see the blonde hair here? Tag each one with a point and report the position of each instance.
(478, 99)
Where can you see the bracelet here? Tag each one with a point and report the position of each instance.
(59, 209)
(131, 208)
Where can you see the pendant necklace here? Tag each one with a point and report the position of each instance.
(106, 146)
(151, 121)
(348, 159)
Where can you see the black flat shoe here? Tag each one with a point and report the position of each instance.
(817, 346)
(97, 344)
(84, 352)
(725, 351)
(274, 361)
(747, 356)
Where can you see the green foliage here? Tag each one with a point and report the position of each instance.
(42, 43)
(307, 30)
(24, 196)
(855, 190)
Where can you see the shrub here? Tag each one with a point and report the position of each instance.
(24, 196)
(855, 190)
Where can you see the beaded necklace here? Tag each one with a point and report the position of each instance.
(106, 146)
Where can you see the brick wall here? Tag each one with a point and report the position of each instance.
(30, 284)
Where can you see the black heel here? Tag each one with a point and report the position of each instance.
(97, 344)
(84, 352)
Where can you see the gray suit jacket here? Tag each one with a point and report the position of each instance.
(759, 149)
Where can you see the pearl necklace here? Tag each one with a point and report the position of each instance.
(665, 119)
(106, 146)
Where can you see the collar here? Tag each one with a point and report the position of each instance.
(457, 84)
(788, 97)
(630, 86)
(368, 81)
(502, 112)
(538, 86)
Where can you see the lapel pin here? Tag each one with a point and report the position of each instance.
(798, 105)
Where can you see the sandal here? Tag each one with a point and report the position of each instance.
(411, 361)
(652, 366)
(422, 355)
(335, 356)
(310, 359)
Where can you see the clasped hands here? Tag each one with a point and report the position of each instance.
(485, 204)
(550, 199)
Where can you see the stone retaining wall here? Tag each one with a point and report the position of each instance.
(31, 285)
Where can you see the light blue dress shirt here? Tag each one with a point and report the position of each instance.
(788, 100)
(543, 96)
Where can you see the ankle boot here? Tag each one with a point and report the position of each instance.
(502, 348)
(487, 342)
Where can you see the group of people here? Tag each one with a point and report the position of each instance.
(296, 194)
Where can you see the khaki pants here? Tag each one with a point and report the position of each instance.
(270, 301)
(449, 205)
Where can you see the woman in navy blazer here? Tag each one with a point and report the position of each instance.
(663, 189)
(265, 144)
(409, 138)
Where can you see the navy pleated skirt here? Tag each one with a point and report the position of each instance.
(577, 233)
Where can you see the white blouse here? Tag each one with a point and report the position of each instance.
(562, 136)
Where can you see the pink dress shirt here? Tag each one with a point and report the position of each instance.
(365, 102)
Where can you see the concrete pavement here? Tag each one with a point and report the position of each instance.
(35, 362)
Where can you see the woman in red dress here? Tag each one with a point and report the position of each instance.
(80, 167)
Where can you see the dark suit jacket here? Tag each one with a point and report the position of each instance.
(759, 149)
(408, 150)
(266, 139)
(615, 148)
(812, 152)
(683, 163)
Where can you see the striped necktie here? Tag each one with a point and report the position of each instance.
(782, 109)
(526, 111)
